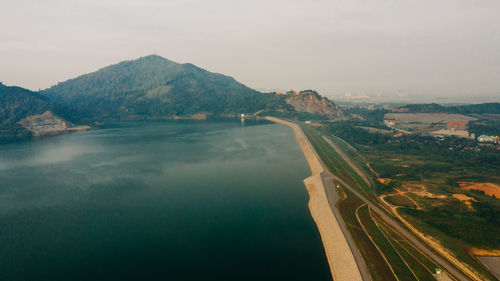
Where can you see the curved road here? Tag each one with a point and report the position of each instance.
(333, 198)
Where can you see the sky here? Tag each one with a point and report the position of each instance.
(419, 47)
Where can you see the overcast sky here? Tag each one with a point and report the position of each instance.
(420, 47)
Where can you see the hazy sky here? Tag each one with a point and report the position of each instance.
(431, 47)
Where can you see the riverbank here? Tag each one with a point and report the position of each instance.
(340, 258)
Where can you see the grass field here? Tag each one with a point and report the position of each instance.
(377, 266)
(438, 188)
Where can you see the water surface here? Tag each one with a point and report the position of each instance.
(184, 200)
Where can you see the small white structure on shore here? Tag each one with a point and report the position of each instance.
(308, 122)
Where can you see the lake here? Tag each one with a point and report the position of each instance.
(170, 200)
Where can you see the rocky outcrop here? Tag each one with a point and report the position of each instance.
(311, 102)
(48, 124)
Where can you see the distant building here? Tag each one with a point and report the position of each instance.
(308, 122)
(456, 126)
(490, 139)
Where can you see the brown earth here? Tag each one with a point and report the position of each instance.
(465, 199)
(49, 124)
(484, 252)
(488, 187)
(421, 190)
(384, 180)
(197, 116)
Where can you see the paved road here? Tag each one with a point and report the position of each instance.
(333, 197)
(493, 263)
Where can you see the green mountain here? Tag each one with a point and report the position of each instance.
(17, 103)
(150, 87)
(155, 87)
(483, 108)
(425, 108)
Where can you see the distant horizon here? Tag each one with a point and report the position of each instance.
(421, 48)
(403, 97)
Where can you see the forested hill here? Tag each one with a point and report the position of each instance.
(17, 103)
(484, 108)
(425, 108)
(155, 87)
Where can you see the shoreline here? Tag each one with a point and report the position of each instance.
(339, 255)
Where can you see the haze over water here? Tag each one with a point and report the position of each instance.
(184, 200)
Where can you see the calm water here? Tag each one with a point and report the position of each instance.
(183, 200)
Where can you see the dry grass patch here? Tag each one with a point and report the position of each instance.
(484, 252)
(488, 187)
(384, 180)
(421, 190)
(465, 199)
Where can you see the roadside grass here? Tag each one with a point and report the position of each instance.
(390, 253)
(378, 268)
(421, 265)
(385, 252)
(457, 246)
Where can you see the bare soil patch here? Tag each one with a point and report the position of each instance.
(488, 187)
(421, 190)
(384, 180)
(465, 199)
(484, 252)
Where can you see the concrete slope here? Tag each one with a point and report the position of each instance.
(343, 265)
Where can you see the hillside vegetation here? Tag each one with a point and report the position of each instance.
(18, 103)
(155, 87)
(483, 108)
